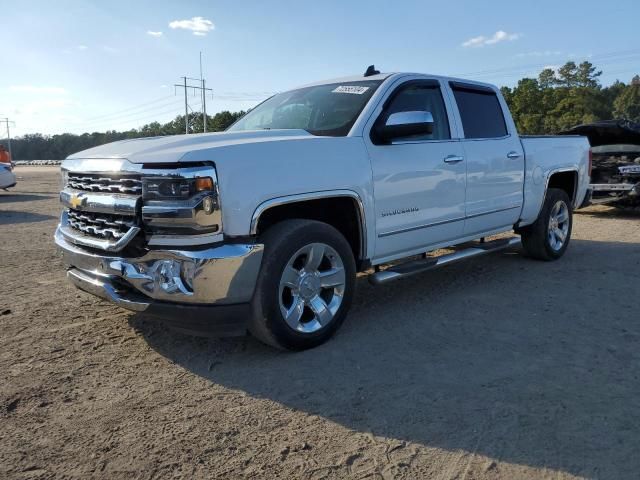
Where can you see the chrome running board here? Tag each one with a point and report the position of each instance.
(422, 265)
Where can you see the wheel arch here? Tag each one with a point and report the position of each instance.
(319, 206)
(564, 179)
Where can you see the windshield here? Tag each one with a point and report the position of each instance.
(329, 109)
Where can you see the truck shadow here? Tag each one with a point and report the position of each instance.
(610, 212)
(511, 358)
(11, 197)
(12, 217)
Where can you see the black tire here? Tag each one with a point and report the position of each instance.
(282, 242)
(537, 239)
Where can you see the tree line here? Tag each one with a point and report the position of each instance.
(554, 101)
(572, 95)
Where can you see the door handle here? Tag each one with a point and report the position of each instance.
(513, 155)
(453, 159)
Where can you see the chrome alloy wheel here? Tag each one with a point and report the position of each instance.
(558, 225)
(312, 287)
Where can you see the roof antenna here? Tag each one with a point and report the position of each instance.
(371, 71)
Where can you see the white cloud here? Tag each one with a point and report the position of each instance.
(154, 34)
(109, 49)
(198, 25)
(82, 47)
(499, 36)
(33, 89)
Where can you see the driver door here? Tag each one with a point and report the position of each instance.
(419, 181)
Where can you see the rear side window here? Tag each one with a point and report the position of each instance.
(480, 112)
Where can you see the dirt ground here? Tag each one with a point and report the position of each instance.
(498, 368)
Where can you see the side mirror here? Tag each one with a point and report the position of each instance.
(405, 124)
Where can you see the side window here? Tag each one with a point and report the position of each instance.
(480, 112)
(426, 98)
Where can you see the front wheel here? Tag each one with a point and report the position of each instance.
(548, 237)
(305, 285)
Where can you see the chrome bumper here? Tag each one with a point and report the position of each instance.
(222, 275)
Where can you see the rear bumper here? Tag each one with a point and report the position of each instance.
(612, 192)
(203, 291)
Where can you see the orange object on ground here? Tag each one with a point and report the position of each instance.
(4, 155)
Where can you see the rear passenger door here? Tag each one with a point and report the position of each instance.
(495, 160)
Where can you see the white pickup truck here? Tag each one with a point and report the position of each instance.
(264, 227)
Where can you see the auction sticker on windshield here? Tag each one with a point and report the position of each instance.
(350, 89)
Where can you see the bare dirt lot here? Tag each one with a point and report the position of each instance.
(501, 367)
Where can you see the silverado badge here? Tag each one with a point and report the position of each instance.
(399, 211)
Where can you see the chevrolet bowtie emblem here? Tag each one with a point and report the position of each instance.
(76, 200)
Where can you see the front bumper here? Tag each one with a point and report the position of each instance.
(199, 291)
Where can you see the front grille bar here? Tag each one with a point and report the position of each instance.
(98, 183)
(88, 237)
(106, 226)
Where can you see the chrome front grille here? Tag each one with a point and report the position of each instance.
(104, 207)
(130, 184)
(101, 225)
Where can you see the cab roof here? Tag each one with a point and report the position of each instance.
(387, 75)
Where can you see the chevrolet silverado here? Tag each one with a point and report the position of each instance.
(264, 227)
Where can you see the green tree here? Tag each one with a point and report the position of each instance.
(610, 94)
(587, 75)
(627, 104)
(525, 102)
(547, 78)
(568, 75)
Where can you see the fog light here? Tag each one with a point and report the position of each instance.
(167, 277)
(158, 277)
(208, 205)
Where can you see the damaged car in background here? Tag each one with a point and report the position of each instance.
(615, 177)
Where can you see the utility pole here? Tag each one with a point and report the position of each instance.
(204, 99)
(204, 107)
(203, 91)
(186, 109)
(7, 121)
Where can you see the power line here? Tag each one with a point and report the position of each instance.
(601, 58)
(131, 108)
(128, 115)
(138, 118)
(138, 109)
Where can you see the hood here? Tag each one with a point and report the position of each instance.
(608, 132)
(174, 148)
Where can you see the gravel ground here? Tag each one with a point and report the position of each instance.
(500, 367)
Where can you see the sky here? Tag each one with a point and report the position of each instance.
(76, 66)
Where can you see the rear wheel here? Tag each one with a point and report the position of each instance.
(548, 237)
(305, 286)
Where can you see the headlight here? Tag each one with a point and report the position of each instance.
(181, 206)
(174, 188)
